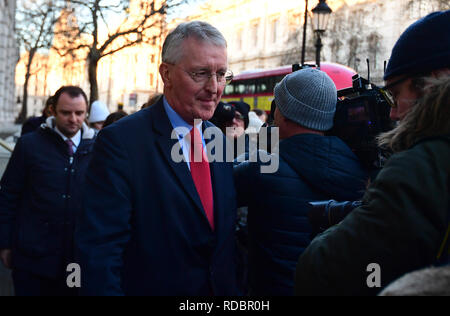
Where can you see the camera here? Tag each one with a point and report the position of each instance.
(362, 113)
(324, 214)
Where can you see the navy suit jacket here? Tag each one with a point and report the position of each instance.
(143, 230)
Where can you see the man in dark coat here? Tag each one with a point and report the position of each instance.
(40, 196)
(402, 222)
(312, 167)
(152, 224)
(34, 122)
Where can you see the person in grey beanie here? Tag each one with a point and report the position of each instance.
(403, 223)
(312, 167)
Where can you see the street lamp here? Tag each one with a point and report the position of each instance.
(320, 16)
(305, 22)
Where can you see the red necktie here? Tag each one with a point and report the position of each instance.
(201, 174)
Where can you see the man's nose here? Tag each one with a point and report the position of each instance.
(212, 84)
(73, 117)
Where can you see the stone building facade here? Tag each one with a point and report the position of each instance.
(127, 77)
(267, 33)
(9, 55)
(260, 34)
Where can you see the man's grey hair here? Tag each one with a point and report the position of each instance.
(202, 31)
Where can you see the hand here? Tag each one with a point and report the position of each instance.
(5, 256)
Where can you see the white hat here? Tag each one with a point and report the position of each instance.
(254, 124)
(99, 112)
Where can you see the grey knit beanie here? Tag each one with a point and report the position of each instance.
(307, 97)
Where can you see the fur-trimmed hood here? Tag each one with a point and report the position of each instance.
(86, 131)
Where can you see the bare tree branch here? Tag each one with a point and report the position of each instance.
(34, 31)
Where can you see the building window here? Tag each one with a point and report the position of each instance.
(295, 22)
(419, 8)
(254, 33)
(275, 31)
(239, 40)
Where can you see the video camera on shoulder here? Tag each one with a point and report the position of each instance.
(362, 113)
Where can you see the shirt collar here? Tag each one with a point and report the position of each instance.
(177, 121)
(75, 139)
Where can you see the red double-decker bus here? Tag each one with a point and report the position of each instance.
(256, 87)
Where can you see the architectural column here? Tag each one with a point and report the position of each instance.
(8, 59)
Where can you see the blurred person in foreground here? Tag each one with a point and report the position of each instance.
(40, 197)
(151, 225)
(434, 281)
(34, 122)
(402, 223)
(312, 167)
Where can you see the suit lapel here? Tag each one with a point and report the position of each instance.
(163, 127)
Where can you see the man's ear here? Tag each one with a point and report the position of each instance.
(165, 74)
(52, 110)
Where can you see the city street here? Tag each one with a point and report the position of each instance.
(265, 148)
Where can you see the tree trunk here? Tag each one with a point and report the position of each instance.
(24, 111)
(93, 59)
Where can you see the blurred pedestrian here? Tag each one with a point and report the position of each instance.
(236, 127)
(152, 100)
(40, 197)
(33, 123)
(114, 117)
(402, 223)
(232, 119)
(97, 116)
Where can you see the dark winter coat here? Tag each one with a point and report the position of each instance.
(32, 124)
(143, 230)
(39, 198)
(400, 227)
(311, 168)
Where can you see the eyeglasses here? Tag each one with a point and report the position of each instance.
(387, 94)
(202, 77)
(239, 116)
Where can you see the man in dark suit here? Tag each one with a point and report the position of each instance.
(40, 197)
(151, 225)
